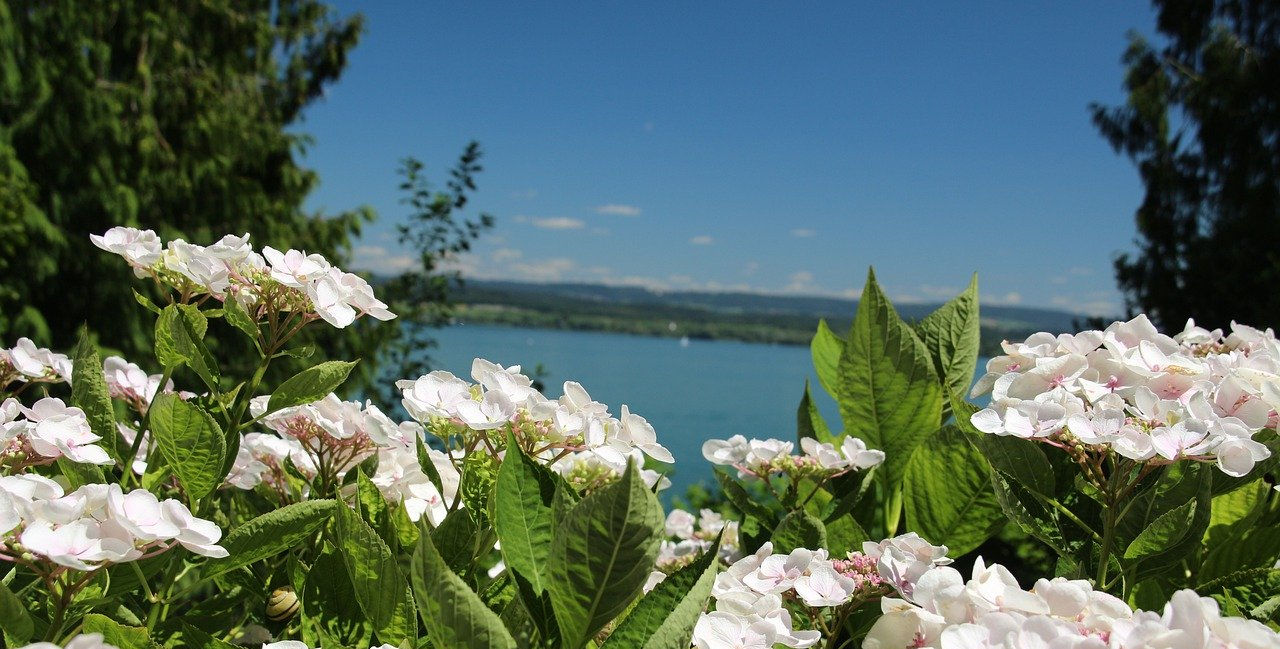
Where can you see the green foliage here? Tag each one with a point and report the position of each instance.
(890, 397)
(89, 393)
(379, 586)
(799, 529)
(311, 384)
(947, 493)
(271, 533)
(14, 619)
(664, 618)
(191, 442)
(601, 554)
(452, 613)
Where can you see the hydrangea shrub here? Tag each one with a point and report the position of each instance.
(164, 503)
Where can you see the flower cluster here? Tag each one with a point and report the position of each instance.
(26, 363)
(94, 525)
(131, 384)
(688, 537)
(272, 281)
(46, 431)
(328, 438)
(574, 434)
(750, 595)
(762, 457)
(991, 611)
(1149, 397)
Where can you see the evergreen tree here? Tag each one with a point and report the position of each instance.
(1202, 124)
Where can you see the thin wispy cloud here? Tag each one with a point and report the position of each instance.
(803, 233)
(618, 209)
(558, 223)
(702, 240)
(380, 260)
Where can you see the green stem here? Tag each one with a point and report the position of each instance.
(1073, 518)
(142, 579)
(892, 511)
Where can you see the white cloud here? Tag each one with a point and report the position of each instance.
(702, 240)
(1011, 298)
(618, 209)
(526, 194)
(558, 223)
(801, 282)
(803, 233)
(542, 270)
(378, 259)
(751, 268)
(506, 254)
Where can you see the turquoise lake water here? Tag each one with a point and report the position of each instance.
(707, 389)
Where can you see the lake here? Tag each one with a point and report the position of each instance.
(707, 389)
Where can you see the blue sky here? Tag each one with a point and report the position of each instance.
(778, 147)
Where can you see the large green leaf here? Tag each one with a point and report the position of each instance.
(311, 384)
(1021, 460)
(947, 493)
(1027, 511)
(180, 331)
(826, 349)
(452, 613)
(952, 335)
(1172, 531)
(664, 618)
(890, 396)
(191, 442)
(809, 421)
(374, 509)
(456, 538)
(116, 634)
(271, 533)
(14, 619)
(89, 393)
(330, 613)
(379, 586)
(601, 555)
(799, 529)
(523, 517)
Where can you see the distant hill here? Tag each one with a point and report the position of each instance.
(752, 317)
(758, 303)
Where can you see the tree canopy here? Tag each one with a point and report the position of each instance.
(172, 116)
(1202, 124)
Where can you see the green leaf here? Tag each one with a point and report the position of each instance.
(14, 619)
(191, 442)
(457, 536)
(116, 634)
(235, 314)
(947, 493)
(826, 349)
(89, 393)
(453, 614)
(799, 529)
(1163, 532)
(809, 422)
(952, 335)
(271, 533)
(380, 588)
(1023, 508)
(145, 302)
(180, 332)
(890, 396)
(743, 501)
(79, 474)
(311, 384)
(844, 534)
(1021, 460)
(601, 555)
(664, 618)
(330, 612)
(522, 515)
(190, 637)
(429, 467)
(374, 509)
